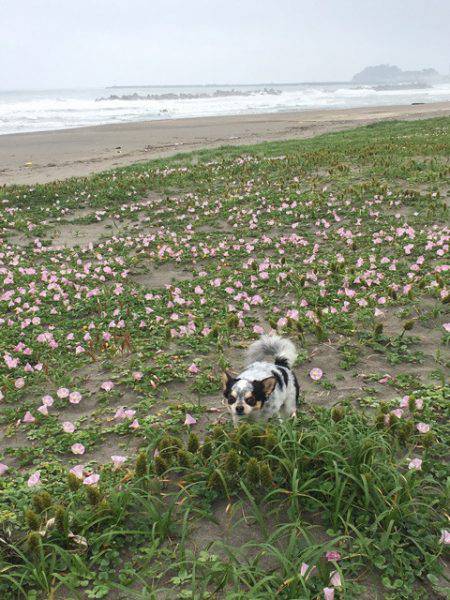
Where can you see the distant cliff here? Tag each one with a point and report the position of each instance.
(393, 74)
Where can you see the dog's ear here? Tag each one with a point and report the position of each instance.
(227, 379)
(269, 385)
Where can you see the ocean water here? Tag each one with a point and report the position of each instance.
(59, 109)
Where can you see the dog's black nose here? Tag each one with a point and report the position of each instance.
(239, 410)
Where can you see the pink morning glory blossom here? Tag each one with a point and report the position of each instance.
(190, 420)
(423, 427)
(316, 374)
(78, 448)
(91, 479)
(415, 464)
(34, 479)
(107, 386)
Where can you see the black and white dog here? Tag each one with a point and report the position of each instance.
(264, 389)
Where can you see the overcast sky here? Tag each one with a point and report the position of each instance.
(73, 43)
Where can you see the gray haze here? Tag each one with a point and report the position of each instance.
(70, 43)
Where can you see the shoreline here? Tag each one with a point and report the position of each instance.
(40, 157)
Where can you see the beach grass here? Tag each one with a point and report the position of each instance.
(124, 295)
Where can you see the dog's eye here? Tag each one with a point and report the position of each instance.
(251, 400)
(231, 399)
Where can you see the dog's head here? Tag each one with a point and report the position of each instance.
(243, 397)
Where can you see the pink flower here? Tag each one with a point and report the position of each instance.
(62, 393)
(19, 383)
(134, 424)
(328, 593)
(68, 427)
(446, 326)
(107, 386)
(304, 570)
(122, 413)
(258, 329)
(137, 375)
(282, 321)
(78, 448)
(422, 427)
(118, 461)
(404, 402)
(92, 479)
(418, 403)
(28, 418)
(445, 537)
(43, 410)
(34, 479)
(316, 374)
(3, 468)
(398, 412)
(193, 369)
(333, 556)
(415, 464)
(75, 397)
(47, 400)
(190, 420)
(335, 579)
(77, 470)
(11, 363)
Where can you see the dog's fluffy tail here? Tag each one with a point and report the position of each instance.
(281, 349)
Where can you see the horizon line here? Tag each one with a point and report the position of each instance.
(178, 85)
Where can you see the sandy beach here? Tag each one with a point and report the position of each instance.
(29, 158)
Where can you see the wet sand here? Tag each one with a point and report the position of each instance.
(30, 158)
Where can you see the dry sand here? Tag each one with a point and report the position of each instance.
(66, 153)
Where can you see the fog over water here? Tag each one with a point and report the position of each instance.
(78, 49)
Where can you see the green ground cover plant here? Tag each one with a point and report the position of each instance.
(125, 294)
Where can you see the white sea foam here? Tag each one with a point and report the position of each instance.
(58, 109)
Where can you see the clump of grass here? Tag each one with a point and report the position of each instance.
(93, 495)
(32, 520)
(141, 469)
(73, 482)
(34, 544)
(61, 519)
(193, 443)
(169, 446)
(42, 501)
(206, 448)
(265, 475)
(231, 462)
(184, 458)
(217, 482)
(160, 465)
(252, 472)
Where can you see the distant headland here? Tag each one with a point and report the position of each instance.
(393, 75)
